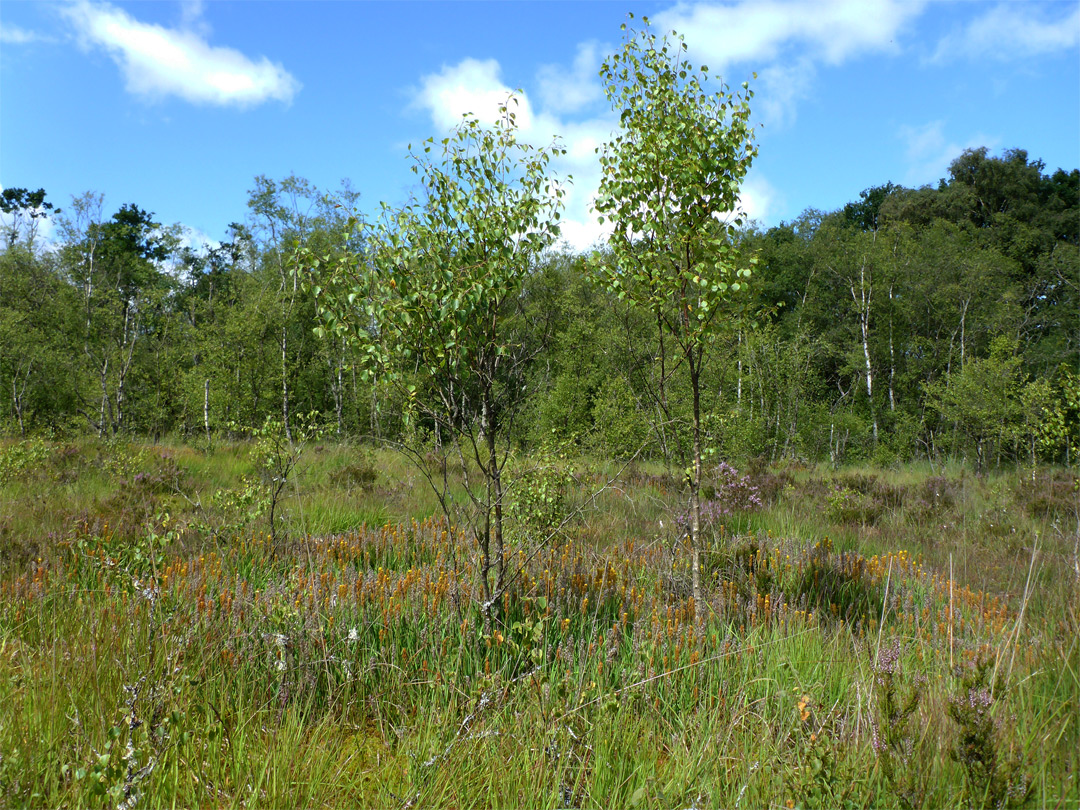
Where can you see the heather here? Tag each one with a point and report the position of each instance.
(159, 644)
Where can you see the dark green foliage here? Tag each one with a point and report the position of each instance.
(932, 323)
(992, 763)
(895, 732)
(27, 207)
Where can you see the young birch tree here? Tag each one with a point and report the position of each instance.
(428, 305)
(670, 186)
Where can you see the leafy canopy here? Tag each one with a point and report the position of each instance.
(670, 181)
(435, 274)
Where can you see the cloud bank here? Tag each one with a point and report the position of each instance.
(784, 40)
(159, 62)
(831, 31)
(1013, 31)
(476, 86)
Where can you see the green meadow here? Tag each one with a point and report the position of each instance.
(872, 638)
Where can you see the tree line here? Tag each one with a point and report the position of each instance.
(930, 322)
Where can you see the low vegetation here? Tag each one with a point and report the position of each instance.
(886, 638)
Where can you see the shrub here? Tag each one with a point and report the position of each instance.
(621, 429)
(360, 474)
(538, 495)
(21, 458)
(770, 484)
(995, 776)
(847, 505)
(724, 494)
(894, 737)
(1050, 494)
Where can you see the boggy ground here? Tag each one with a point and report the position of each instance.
(158, 647)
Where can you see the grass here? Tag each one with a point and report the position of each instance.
(190, 660)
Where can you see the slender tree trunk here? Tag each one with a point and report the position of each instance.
(862, 300)
(661, 402)
(206, 409)
(106, 405)
(285, 383)
(738, 384)
(339, 392)
(484, 535)
(18, 394)
(18, 403)
(374, 413)
(892, 356)
(497, 507)
(352, 385)
(239, 388)
(695, 490)
(963, 319)
(127, 358)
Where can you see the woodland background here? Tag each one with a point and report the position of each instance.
(911, 323)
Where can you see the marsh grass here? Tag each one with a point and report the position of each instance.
(155, 665)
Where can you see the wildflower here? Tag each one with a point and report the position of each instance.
(353, 634)
(804, 708)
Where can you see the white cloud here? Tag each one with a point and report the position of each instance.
(191, 16)
(1013, 31)
(779, 89)
(159, 62)
(567, 91)
(475, 86)
(784, 41)
(757, 197)
(198, 242)
(760, 30)
(14, 35)
(584, 235)
(197, 239)
(928, 152)
(472, 86)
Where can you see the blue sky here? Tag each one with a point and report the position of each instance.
(177, 106)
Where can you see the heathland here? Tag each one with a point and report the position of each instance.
(525, 571)
(889, 638)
